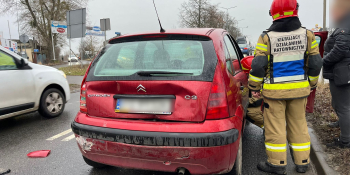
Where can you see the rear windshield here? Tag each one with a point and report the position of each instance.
(186, 59)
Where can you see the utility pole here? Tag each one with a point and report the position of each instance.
(8, 23)
(324, 15)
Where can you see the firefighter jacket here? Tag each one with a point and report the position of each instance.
(286, 64)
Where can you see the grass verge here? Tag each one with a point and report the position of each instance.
(76, 70)
(338, 159)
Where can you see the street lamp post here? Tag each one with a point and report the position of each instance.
(324, 15)
(227, 14)
(238, 21)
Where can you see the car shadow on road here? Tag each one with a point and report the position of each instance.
(114, 170)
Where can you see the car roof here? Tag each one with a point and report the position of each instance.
(185, 31)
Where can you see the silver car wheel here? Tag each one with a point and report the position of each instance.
(54, 103)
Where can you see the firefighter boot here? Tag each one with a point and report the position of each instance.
(302, 168)
(269, 168)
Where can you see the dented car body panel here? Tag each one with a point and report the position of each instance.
(203, 160)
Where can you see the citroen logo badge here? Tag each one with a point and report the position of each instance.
(141, 88)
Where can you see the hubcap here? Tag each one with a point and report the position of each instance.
(54, 102)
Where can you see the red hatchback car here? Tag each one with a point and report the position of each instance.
(172, 101)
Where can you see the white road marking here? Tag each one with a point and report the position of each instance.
(60, 134)
(68, 138)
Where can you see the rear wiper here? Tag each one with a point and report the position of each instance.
(152, 73)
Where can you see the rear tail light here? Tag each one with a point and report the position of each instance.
(217, 104)
(83, 108)
(245, 48)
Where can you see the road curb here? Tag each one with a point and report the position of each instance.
(318, 156)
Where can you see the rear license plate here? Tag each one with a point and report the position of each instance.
(144, 106)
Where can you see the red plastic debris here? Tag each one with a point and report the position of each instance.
(39, 154)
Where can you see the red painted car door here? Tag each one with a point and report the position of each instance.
(321, 38)
(237, 93)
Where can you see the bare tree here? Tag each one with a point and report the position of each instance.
(202, 14)
(35, 17)
(192, 12)
(92, 44)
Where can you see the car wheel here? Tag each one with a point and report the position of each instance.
(93, 164)
(52, 103)
(237, 168)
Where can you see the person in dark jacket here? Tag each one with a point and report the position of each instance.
(336, 68)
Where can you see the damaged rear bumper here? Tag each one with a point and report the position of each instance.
(200, 153)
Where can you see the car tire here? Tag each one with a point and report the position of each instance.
(52, 103)
(237, 168)
(93, 164)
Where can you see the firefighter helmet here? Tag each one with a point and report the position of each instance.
(284, 9)
(246, 63)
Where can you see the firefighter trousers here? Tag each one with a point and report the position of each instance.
(254, 112)
(286, 118)
(255, 116)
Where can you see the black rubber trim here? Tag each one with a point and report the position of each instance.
(144, 96)
(12, 109)
(156, 138)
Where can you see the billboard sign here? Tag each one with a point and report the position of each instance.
(59, 27)
(5, 43)
(13, 46)
(94, 31)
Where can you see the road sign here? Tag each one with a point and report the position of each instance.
(24, 38)
(105, 24)
(96, 28)
(59, 27)
(76, 21)
(36, 50)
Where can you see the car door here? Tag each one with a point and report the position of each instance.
(321, 38)
(237, 93)
(17, 90)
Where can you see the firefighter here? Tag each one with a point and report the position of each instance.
(254, 111)
(286, 66)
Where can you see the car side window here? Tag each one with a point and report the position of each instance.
(229, 66)
(231, 56)
(7, 62)
(232, 51)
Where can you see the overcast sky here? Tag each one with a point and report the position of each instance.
(134, 16)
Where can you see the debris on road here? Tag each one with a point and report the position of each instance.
(4, 171)
(39, 154)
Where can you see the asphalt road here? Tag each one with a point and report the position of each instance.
(23, 134)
